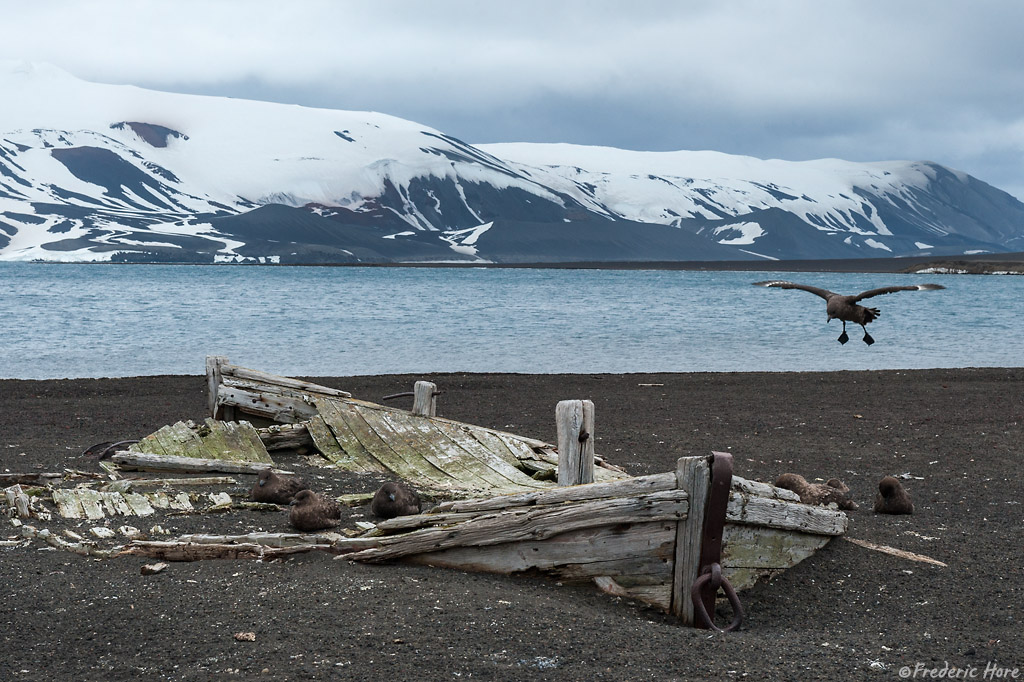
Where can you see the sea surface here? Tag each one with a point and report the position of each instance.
(68, 321)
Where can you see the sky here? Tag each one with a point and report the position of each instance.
(861, 80)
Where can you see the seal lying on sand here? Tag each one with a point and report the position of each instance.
(845, 308)
(310, 511)
(833, 490)
(395, 499)
(271, 487)
(892, 497)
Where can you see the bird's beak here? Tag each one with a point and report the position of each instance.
(262, 483)
(392, 496)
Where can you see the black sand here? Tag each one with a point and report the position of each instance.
(847, 613)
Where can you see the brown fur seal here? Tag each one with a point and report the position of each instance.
(395, 499)
(833, 490)
(892, 497)
(310, 511)
(271, 487)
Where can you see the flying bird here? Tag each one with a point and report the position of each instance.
(310, 511)
(395, 499)
(846, 308)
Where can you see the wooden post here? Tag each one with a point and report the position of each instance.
(214, 377)
(17, 498)
(424, 402)
(693, 474)
(575, 423)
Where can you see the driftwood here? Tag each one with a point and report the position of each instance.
(189, 551)
(903, 554)
(84, 548)
(150, 462)
(16, 479)
(127, 485)
(286, 437)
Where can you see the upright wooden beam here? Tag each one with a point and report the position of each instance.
(424, 402)
(575, 424)
(214, 379)
(693, 474)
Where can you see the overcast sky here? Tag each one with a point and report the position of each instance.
(863, 80)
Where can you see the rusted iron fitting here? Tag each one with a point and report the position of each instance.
(707, 584)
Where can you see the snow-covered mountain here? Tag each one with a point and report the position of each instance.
(103, 172)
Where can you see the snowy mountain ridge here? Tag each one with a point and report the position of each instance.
(109, 172)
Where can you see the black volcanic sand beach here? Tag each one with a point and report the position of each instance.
(845, 613)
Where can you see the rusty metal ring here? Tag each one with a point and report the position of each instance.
(700, 613)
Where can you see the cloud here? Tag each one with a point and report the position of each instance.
(795, 79)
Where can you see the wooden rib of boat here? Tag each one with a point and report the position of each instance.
(640, 537)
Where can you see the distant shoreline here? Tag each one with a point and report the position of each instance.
(957, 264)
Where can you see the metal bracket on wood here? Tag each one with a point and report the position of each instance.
(705, 588)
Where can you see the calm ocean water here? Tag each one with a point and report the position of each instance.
(105, 321)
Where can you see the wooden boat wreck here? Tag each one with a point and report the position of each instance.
(509, 504)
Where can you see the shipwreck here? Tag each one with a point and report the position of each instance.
(506, 503)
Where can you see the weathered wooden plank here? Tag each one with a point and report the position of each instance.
(428, 440)
(186, 551)
(179, 439)
(325, 441)
(519, 448)
(9, 479)
(529, 523)
(394, 453)
(742, 485)
(125, 485)
(263, 538)
(139, 504)
(639, 549)
(238, 441)
(403, 428)
(114, 504)
(758, 511)
(575, 423)
(91, 503)
(629, 487)
(286, 436)
(693, 474)
(498, 462)
(750, 552)
(284, 382)
(159, 500)
(150, 462)
(150, 444)
(361, 447)
(280, 408)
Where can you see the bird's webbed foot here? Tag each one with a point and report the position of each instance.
(844, 337)
(867, 338)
